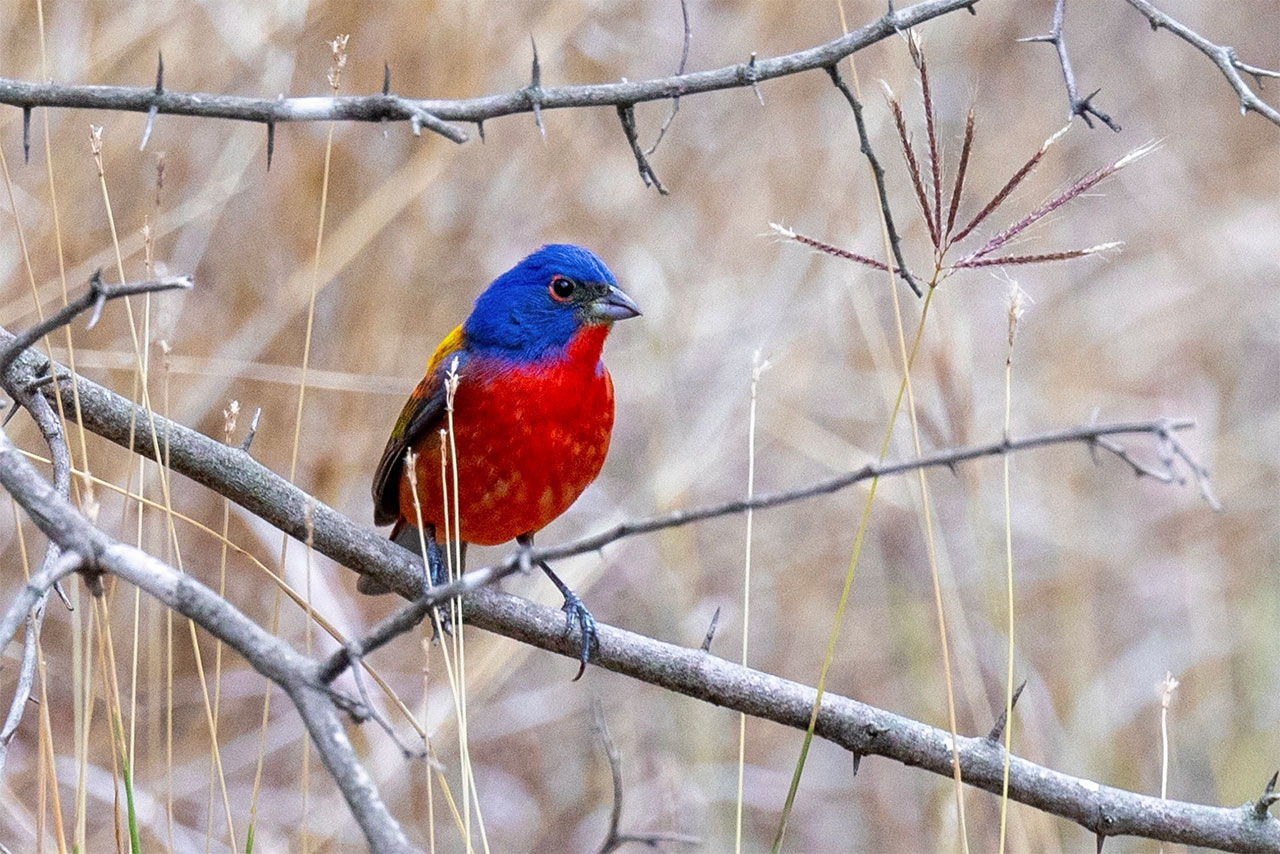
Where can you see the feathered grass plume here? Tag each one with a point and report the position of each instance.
(927, 177)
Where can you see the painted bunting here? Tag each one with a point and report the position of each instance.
(532, 414)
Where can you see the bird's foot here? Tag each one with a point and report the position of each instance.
(576, 612)
(436, 568)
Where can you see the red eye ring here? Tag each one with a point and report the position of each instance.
(562, 288)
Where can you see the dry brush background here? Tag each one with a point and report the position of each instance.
(1118, 581)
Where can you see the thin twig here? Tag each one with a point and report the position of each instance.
(380, 107)
(675, 101)
(413, 613)
(262, 492)
(94, 298)
(86, 547)
(1224, 57)
(1082, 107)
(877, 172)
(616, 839)
(859, 728)
(627, 116)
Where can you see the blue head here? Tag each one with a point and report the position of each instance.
(533, 310)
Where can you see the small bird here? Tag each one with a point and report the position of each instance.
(532, 414)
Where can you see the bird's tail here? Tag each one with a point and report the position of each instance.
(403, 535)
(406, 536)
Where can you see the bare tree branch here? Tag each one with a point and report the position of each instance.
(684, 59)
(615, 838)
(1224, 57)
(94, 298)
(233, 473)
(86, 547)
(869, 731)
(864, 730)
(1082, 107)
(877, 172)
(435, 114)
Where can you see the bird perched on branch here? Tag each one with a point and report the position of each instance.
(532, 414)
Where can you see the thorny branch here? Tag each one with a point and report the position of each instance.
(877, 171)
(684, 59)
(861, 729)
(1082, 107)
(94, 298)
(1224, 57)
(615, 838)
(270, 656)
(436, 114)
(25, 395)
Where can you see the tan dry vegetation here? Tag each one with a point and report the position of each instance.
(1117, 580)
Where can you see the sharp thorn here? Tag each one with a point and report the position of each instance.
(97, 310)
(386, 79)
(160, 73)
(1002, 720)
(711, 631)
(1268, 798)
(271, 142)
(1101, 840)
(857, 763)
(253, 430)
(480, 130)
(62, 594)
(535, 74)
(146, 129)
(26, 134)
(13, 410)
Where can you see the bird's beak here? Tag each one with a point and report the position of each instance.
(613, 305)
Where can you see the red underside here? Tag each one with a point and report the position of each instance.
(529, 439)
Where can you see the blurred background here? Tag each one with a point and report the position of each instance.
(1118, 580)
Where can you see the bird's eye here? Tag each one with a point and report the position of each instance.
(562, 289)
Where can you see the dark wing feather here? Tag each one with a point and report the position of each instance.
(421, 413)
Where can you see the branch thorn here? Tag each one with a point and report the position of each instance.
(253, 430)
(997, 731)
(100, 297)
(534, 92)
(1268, 798)
(62, 594)
(711, 631)
(155, 108)
(26, 134)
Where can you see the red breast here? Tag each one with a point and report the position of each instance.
(528, 440)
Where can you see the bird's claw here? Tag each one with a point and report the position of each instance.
(575, 611)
